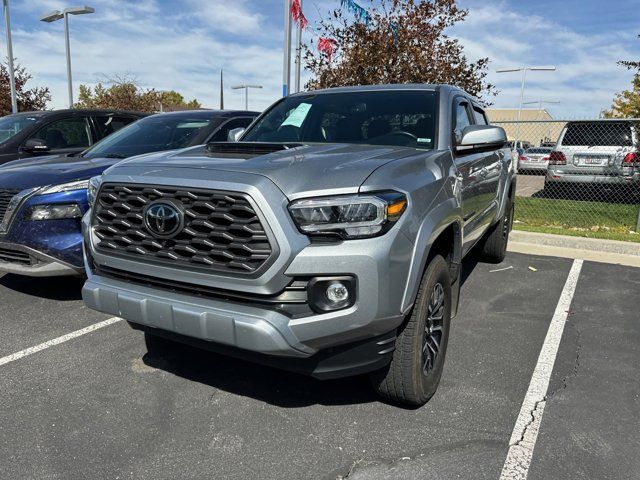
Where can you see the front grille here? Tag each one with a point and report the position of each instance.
(5, 197)
(16, 256)
(221, 231)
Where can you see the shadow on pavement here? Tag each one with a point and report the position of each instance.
(62, 289)
(276, 387)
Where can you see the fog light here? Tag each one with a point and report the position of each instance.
(337, 292)
(326, 294)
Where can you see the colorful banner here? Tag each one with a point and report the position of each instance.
(360, 13)
(327, 46)
(298, 15)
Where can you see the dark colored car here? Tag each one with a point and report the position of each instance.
(57, 132)
(43, 199)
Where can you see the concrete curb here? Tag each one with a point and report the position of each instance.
(592, 249)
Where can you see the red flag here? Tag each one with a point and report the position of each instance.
(298, 15)
(327, 46)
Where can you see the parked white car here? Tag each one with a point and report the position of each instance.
(601, 152)
(534, 159)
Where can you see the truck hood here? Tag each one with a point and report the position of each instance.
(296, 171)
(55, 170)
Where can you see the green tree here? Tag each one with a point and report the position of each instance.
(125, 94)
(626, 104)
(398, 41)
(28, 99)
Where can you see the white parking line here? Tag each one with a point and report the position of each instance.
(525, 432)
(57, 341)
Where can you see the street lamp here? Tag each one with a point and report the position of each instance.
(547, 68)
(12, 78)
(246, 93)
(64, 14)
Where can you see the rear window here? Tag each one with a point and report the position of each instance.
(539, 150)
(605, 134)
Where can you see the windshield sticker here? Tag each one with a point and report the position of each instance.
(297, 116)
(424, 140)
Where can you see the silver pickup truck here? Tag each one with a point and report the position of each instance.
(327, 240)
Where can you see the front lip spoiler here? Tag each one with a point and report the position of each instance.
(48, 266)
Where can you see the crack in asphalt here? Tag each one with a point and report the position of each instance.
(357, 465)
(572, 374)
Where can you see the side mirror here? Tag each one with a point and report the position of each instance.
(35, 145)
(481, 136)
(235, 134)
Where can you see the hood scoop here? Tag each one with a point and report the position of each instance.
(248, 148)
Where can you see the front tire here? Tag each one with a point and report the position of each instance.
(414, 373)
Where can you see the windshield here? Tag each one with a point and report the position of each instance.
(153, 134)
(12, 125)
(396, 117)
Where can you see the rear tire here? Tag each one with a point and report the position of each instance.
(414, 373)
(494, 246)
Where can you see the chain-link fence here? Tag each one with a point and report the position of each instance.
(577, 177)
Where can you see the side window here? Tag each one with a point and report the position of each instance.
(481, 118)
(63, 134)
(107, 124)
(222, 134)
(462, 116)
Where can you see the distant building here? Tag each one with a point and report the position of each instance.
(536, 127)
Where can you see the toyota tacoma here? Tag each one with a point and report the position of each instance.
(326, 239)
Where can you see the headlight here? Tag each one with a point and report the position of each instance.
(92, 190)
(357, 216)
(54, 212)
(65, 187)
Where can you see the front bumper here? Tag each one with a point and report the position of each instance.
(48, 247)
(380, 267)
(21, 260)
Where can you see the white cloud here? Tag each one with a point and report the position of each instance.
(183, 45)
(587, 76)
(184, 52)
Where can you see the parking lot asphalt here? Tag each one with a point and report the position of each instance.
(529, 184)
(99, 406)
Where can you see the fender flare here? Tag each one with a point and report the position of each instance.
(440, 218)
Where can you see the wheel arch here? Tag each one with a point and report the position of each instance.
(440, 233)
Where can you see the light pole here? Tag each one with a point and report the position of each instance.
(12, 77)
(246, 93)
(286, 71)
(64, 14)
(298, 60)
(549, 68)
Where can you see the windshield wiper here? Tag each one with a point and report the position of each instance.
(115, 155)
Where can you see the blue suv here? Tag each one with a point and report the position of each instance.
(43, 199)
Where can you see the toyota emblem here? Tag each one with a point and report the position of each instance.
(163, 219)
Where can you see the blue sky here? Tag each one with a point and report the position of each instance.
(182, 45)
